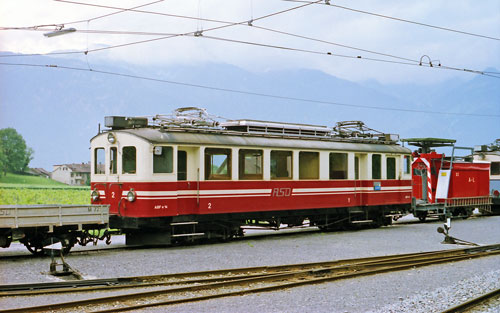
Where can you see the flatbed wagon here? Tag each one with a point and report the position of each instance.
(37, 226)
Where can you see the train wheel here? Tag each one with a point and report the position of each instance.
(422, 216)
(34, 246)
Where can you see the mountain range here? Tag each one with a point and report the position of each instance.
(58, 110)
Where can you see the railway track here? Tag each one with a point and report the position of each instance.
(163, 290)
(471, 305)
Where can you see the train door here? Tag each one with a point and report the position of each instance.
(187, 179)
(359, 175)
(114, 191)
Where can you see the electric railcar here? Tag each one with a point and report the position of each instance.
(186, 176)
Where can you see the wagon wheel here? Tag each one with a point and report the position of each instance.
(422, 216)
(34, 246)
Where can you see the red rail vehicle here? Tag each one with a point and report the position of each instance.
(187, 176)
(444, 187)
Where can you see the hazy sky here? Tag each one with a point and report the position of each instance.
(327, 23)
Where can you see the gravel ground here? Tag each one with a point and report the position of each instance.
(428, 289)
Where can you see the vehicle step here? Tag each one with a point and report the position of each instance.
(183, 223)
(188, 235)
(362, 222)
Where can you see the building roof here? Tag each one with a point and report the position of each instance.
(77, 167)
(39, 171)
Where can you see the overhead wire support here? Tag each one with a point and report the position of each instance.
(398, 19)
(251, 93)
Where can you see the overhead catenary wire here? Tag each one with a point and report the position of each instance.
(248, 23)
(227, 24)
(327, 3)
(273, 46)
(251, 93)
(195, 32)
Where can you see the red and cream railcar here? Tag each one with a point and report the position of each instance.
(171, 181)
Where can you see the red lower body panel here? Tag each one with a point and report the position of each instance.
(216, 197)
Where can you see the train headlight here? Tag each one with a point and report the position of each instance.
(94, 195)
(131, 195)
(111, 138)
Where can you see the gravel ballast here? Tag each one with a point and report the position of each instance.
(426, 289)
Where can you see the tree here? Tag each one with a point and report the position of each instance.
(3, 160)
(15, 156)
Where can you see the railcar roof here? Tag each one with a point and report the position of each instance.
(190, 137)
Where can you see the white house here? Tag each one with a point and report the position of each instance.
(76, 174)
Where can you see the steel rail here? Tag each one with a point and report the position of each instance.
(299, 280)
(299, 277)
(462, 307)
(127, 282)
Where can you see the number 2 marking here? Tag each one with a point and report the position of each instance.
(113, 195)
(209, 205)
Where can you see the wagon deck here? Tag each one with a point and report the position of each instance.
(19, 216)
(38, 225)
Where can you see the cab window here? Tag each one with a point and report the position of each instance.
(113, 160)
(217, 164)
(99, 159)
(163, 160)
(129, 160)
(495, 168)
(250, 164)
(407, 164)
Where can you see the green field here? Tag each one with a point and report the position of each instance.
(26, 189)
(44, 196)
(19, 179)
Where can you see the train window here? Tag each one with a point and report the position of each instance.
(356, 167)
(181, 165)
(338, 165)
(495, 168)
(308, 165)
(281, 164)
(217, 164)
(407, 164)
(163, 159)
(376, 166)
(129, 157)
(250, 164)
(391, 168)
(113, 160)
(99, 159)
